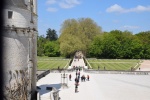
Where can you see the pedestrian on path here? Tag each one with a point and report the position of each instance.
(76, 84)
(70, 77)
(76, 88)
(83, 78)
(76, 80)
(76, 73)
(88, 77)
(79, 68)
(79, 73)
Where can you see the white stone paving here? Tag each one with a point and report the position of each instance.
(100, 87)
(77, 62)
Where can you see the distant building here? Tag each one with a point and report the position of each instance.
(20, 40)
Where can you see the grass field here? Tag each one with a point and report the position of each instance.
(45, 63)
(113, 64)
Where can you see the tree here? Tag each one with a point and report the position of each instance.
(110, 46)
(144, 37)
(117, 44)
(71, 45)
(41, 40)
(77, 35)
(51, 49)
(51, 35)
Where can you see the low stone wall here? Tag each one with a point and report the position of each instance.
(61, 70)
(43, 74)
(118, 72)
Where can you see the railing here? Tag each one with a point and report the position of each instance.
(60, 70)
(117, 72)
(43, 74)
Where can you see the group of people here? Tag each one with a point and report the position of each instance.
(77, 79)
(83, 78)
(77, 68)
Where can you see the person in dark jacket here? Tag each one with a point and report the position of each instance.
(70, 77)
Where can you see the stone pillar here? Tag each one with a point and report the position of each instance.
(34, 60)
(35, 6)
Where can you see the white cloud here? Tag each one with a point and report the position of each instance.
(115, 8)
(68, 3)
(52, 9)
(74, 2)
(118, 9)
(64, 3)
(139, 9)
(50, 1)
(130, 27)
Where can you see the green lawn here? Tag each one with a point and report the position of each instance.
(45, 63)
(113, 64)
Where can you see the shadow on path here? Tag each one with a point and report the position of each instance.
(131, 83)
(43, 88)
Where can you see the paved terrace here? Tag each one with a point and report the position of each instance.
(100, 87)
(145, 66)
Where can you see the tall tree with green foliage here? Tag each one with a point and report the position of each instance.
(95, 48)
(116, 44)
(40, 45)
(48, 46)
(77, 35)
(51, 49)
(51, 35)
(71, 45)
(144, 37)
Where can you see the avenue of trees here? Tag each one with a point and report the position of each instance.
(85, 35)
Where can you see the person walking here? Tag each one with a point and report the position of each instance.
(70, 77)
(88, 77)
(76, 73)
(79, 73)
(76, 84)
(76, 87)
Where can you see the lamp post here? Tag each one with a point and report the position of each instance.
(64, 80)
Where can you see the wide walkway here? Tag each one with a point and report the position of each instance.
(145, 66)
(100, 87)
(77, 62)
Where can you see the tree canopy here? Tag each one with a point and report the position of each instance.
(48, 46)
(77, 35)
(118, 44)
(85, 35)
(51, 35)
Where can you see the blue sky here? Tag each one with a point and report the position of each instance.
(131, 15)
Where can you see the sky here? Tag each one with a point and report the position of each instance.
(131, 15)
